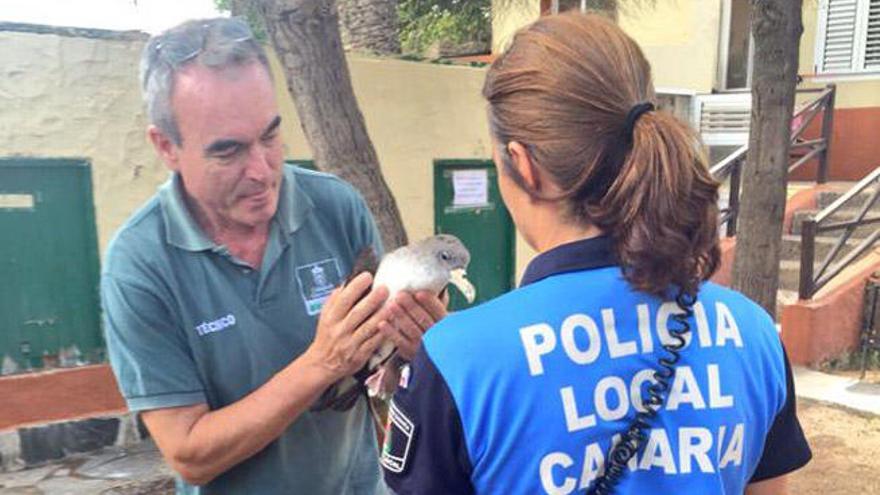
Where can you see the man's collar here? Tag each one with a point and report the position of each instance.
(183, 231)
(181, 228)
(586, 254)
(294, 203)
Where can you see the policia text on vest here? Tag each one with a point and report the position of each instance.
(583, 339)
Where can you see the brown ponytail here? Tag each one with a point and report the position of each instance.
(564, 89)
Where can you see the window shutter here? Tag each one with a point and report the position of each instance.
(872, 41)
(723, 119)
(838, 47)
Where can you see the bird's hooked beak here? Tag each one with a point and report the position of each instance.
(458, 278)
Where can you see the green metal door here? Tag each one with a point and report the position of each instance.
(467, 204)
(49, 305)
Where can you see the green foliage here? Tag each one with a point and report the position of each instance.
(424, 22)
(852, 361)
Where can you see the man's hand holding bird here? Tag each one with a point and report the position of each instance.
(408, 297)
(411, 315)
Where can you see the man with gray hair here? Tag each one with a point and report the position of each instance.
(223, 317)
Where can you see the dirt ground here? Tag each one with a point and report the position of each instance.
(846, 452)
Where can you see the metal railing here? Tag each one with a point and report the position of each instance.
(811, 281)
(814, 148)
(801, 151)
(731, 167)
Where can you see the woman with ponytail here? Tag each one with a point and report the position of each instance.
(616, 367)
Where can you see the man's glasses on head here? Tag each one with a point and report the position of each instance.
(177, 48)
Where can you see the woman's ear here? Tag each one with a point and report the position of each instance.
(521, 160)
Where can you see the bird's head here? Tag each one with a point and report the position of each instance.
(449, 252)
(453, 256)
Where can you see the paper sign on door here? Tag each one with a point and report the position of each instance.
(471, 188)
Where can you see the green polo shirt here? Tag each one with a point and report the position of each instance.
(188, 323)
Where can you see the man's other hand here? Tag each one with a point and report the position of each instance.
(348, 329)
(411, 315)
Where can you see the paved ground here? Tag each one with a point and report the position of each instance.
(112, 471)
(844, 390)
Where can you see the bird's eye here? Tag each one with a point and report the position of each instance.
(445, 256)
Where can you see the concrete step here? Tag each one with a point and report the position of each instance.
(789, 275)
(783, 298)
(791, 247)
(840, 216)
(786, 296)
(827, 197)
(789, 266)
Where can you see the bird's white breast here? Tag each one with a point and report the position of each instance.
(402, 271)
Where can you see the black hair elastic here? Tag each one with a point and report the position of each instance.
(633, 116)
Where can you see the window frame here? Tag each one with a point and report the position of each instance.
(724, 51)
(554, 6)
(857, 69)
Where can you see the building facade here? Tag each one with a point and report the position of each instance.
(703, 48)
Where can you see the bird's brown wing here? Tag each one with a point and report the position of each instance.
(365, 261)
(334, 397)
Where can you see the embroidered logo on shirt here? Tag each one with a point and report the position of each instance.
(316, 282)
(398, 439)
(217, 325)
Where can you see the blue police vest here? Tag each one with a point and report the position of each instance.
(527, 393)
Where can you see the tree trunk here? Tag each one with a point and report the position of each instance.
(305, 34)
(370, 25)
(239, 7)
(776, 30)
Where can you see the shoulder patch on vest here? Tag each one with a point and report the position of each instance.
(398, 439)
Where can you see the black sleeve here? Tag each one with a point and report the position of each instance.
(786, 448)
(424, 451)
